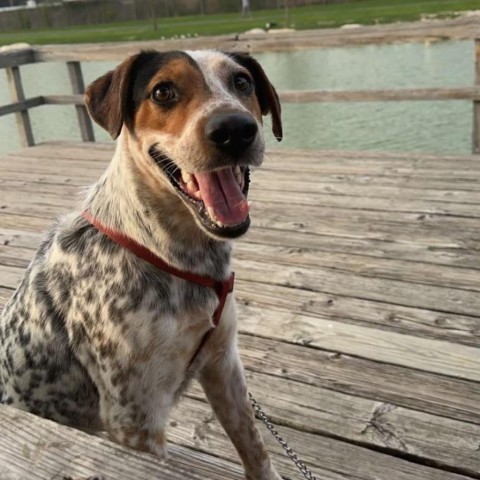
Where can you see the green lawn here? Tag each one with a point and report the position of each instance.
(315, 16)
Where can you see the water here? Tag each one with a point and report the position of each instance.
(443, 127)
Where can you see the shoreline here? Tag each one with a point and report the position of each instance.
(463, 28)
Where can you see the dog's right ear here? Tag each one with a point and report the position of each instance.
(266, 93)
(106, 98)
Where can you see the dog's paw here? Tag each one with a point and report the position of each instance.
(158, 449)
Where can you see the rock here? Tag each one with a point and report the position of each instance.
(255, 31)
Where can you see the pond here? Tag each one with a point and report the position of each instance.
(443, 127)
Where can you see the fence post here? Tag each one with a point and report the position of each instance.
(476, 103)
(17, 94)
(78, 87)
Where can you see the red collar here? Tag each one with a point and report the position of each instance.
(222, 289)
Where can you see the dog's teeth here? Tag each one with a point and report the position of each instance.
(214, 218)
(211, 212)
(238, 174)
(197, 194)
(192, 185)
(186, 177)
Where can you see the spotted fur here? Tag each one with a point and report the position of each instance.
(98, 339)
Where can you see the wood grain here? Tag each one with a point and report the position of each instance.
(358, 307)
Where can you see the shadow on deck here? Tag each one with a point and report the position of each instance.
(358, 290)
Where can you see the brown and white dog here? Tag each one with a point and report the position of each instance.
(98, 338)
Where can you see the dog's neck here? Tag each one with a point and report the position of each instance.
(127, 198)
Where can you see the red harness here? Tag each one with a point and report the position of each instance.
(222, 289)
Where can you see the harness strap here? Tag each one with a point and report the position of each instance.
(222, 289)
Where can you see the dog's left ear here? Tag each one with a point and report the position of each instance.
(266, 93)
(106, 98)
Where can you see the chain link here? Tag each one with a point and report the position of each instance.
(260, 414)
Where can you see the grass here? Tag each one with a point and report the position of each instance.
(315, 16)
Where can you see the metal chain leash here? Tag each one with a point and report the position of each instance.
(261, 415)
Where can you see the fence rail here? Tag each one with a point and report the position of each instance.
(20, 106)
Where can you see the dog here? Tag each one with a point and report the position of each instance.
(98, 336)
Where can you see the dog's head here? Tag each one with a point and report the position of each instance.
(196, 117)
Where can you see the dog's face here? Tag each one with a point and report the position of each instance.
(196, 119)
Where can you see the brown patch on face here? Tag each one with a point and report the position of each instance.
(191, 89)
(192, 92)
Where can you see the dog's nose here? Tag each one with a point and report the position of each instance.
(231, 132)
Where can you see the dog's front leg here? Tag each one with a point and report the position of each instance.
(224, 383)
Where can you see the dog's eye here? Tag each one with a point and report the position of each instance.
(164, 93)
(243, 83)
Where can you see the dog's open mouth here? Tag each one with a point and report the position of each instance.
(219, 197)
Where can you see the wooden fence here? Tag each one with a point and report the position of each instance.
(20, 106)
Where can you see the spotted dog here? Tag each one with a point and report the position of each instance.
(95, 336)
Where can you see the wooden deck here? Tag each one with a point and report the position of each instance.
(358, 289)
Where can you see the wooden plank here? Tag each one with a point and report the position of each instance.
(436, 394)
(194, 426)
(78, 89)
(365, 422)
(14, 57)
(405, 271)
(38, 449)
(46, 178)
(5, 294)
(430, 182)
(383, 315)
(17, 95)
(468, 174)
(379, 345)
(22, 222)
(368, 191)
(10, 277)
(339, 155)
(420, 229)
(455, 255)
(432, 297)
(365, 203)
(20, 238)
(74, 99)
(21, 106)
(406, 94)
(18, 257)
(24, 453)
(476, 103)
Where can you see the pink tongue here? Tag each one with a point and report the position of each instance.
(220, 191)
